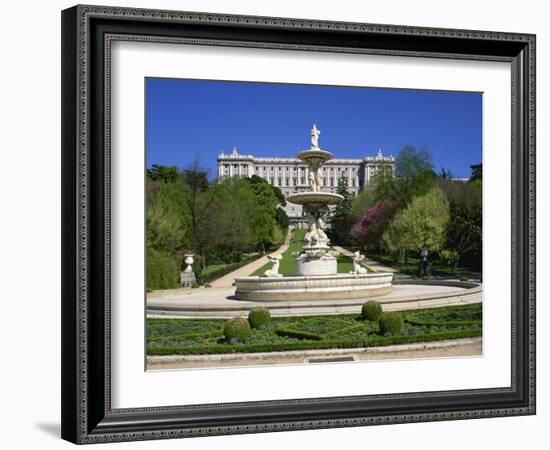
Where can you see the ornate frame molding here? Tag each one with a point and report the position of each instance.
(88, 31)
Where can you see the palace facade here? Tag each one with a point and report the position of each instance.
(290, 175)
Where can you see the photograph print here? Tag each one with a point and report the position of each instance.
(300, 224)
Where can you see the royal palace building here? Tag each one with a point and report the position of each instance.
(291, 175)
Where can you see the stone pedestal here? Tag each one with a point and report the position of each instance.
(187, 279)
(308, 265)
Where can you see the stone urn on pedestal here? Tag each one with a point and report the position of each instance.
(188, 277)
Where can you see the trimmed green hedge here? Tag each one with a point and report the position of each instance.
(343, 331)
(205, 336)
(187, 336)
(376, 341)
(370, 341)
(297, 334)
(204, 278)
(443, 324)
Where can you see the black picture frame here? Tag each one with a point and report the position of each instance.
(87, 415)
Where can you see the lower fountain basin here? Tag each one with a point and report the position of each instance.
(317, 287)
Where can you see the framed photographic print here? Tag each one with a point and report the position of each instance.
(283, 224)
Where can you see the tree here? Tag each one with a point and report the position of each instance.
(199, 200)
(362, 202)
(421, 224)
(464, 231)
(414, 176)
(168, 220)
(264, 219)
(163, 173)
(231, 221)
(477, 172)
(281, 200)
(445, 174)
(370, 228)
(341, 220)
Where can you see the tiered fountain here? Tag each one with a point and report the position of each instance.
(317, 259)
(316, 275)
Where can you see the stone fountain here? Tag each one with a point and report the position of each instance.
(316, 276)
(316, 259)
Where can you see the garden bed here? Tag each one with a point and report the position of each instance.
(205, 336)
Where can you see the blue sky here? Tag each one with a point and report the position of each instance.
(188, 120)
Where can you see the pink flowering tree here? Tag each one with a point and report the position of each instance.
(370, 227)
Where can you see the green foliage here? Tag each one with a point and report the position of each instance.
(464, 230)
(168, 220)
(258, 317)
(391, 323)
(477, 172)
(218, 221)
(414, 176)
(450, 257)
(421, 224)
(341, 220)
(219, 270)
(362, 202)
(163, 271)
(282, 220)
(166, 174)
(371, 310)
(236, 329)
(297, 334)
(202, 336)
(264, 215)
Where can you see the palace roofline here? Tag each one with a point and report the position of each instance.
(235, 156)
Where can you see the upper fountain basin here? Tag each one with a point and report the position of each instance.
(314, 156)
(323, 198)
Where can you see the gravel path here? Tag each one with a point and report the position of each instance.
(245, 271)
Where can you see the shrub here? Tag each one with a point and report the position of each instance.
(392, 323)
(163, 271)
(371, 311)
(258, 317)
(236, 329)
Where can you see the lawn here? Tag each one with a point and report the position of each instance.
(205, 336)
(288, 267)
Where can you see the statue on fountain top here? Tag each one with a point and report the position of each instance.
(315, 137)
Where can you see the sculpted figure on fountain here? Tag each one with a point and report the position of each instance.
(315, 137)
(274, 271)
(357, 268)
